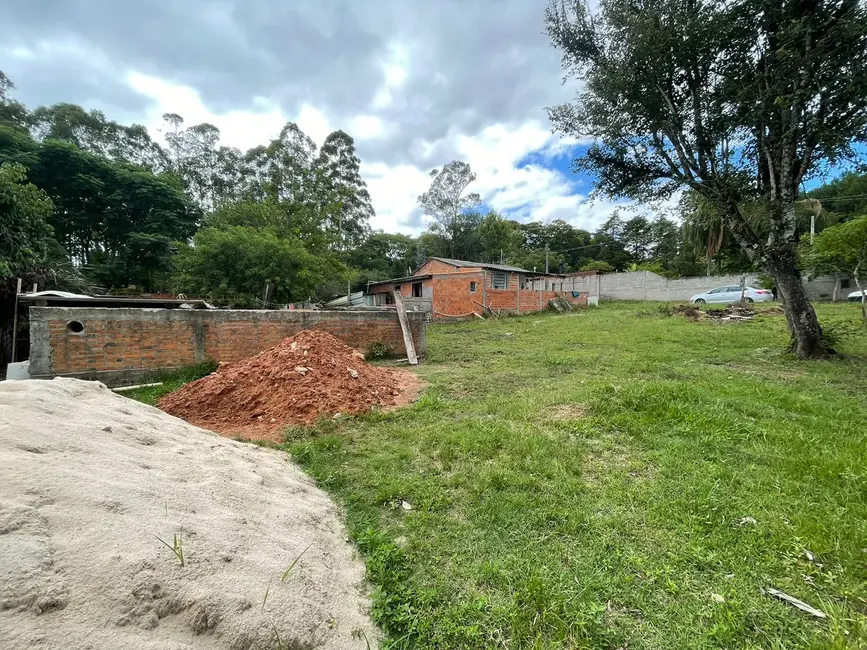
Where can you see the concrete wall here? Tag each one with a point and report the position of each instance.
(118, 344)
(646, 285)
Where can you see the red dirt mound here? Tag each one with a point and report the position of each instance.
(307, 376)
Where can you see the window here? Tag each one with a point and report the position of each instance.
(416, 289)
(499, 281)
(398, 287)
(473, 286)
(844, 284)
(389, 299)
(720, 290)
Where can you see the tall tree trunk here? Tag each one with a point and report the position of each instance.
(804, 327)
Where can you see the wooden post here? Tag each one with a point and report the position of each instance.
(540, 295)
(15, 324)
(484, 288)
(404, 326)
(743, 287)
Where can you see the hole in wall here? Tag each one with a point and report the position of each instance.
(74, 326)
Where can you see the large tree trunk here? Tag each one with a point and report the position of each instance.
(804, 327)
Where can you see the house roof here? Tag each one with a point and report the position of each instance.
(461, 264)
(408, 278)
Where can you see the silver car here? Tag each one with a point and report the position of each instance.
(732, 294)
(855, 296)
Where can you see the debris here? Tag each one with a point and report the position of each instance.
(747, 521)
(717, 598)
(800, 604)
(406, 505)
(307, 376)
(809, 555)
(560, 305)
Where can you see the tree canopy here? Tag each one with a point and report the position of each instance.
(736, 101)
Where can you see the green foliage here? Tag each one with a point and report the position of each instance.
(737, 101)
(448, 202)
(114, 219)
(597, 265)
(170, 381)
(379, 350)
(839, 250)
(24, 229)
(842, 199)
(235, 264)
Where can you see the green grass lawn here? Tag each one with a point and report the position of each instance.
(613, 478)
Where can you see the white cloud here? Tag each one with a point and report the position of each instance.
(366, 127)
(395, 70)
(239, 128)
(527, 192)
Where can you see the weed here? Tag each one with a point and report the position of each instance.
(292, 566)
(379, 350)
(171, 381)
(176, 547)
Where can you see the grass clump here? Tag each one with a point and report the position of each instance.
(171, 381)
(175, 547)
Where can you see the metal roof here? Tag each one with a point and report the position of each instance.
(408, 278)
(106, 301)
(462, 264)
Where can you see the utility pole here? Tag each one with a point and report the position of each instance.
(501, 256)
(546, 259)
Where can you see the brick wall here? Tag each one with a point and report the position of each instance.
(116, 343)
(432, 267)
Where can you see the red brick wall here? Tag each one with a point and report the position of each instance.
(432, 267)
(118, 345)
(452, 297)
(151, 339)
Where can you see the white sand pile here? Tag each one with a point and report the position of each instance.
(90, 479)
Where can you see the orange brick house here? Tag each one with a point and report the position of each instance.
(459, 289)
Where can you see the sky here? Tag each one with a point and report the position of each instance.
(417, 84)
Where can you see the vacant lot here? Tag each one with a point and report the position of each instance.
(616, 478)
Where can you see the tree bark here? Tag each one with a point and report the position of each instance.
(807, 342)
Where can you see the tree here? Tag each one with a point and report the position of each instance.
(447, 201)
(841, 250)
(101, 208)
(11, 111)
(24, 232)
(498, 237)
(737, 101)
(637, 238)
(24, 229)
(341, 172)
(237, 265)
(597, 265)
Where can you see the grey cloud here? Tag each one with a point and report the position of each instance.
(490, 56)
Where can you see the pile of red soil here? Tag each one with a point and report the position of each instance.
(306, 377)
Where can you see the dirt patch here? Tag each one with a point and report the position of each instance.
(80, 520)
(306, 377)
(565, 412)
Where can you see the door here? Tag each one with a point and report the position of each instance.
(733, 294)
(718, 295)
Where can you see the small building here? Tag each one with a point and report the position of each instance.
(447, 288)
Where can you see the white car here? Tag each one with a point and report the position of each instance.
(732, 294)
(855, 296)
